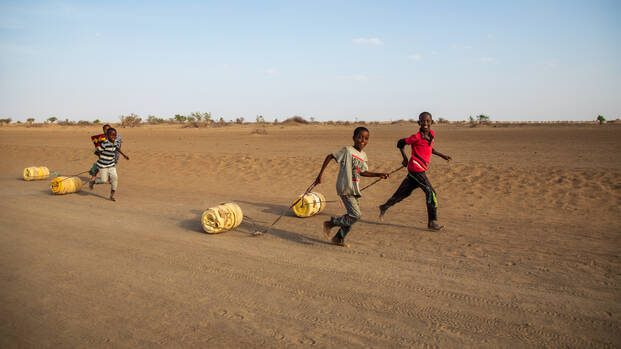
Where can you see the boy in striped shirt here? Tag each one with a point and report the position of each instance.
(107, 160)
(422, 148)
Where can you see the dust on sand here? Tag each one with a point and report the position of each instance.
(529, 256)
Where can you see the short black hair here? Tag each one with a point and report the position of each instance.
(104, 127)
(423, 114)
(359, 129)
(110, 130)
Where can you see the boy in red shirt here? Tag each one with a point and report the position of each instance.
(422, 148)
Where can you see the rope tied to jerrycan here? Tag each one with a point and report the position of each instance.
(307, 191)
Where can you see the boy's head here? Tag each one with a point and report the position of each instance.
(111, 134)
(361, 137)
(105, 128)
(425, 121)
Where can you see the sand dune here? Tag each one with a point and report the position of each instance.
(529, 256)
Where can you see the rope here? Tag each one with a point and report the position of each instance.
(286, 210)
(70, 176)
(308, 191)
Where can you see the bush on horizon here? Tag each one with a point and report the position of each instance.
(131, 120)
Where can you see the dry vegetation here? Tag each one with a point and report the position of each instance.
(205, 120)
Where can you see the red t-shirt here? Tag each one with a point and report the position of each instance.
(421, 151)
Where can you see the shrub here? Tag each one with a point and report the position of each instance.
(482, 119)
(30, 120)
(195, 116)
(207, 117)
(52, 119)
(442, 121)
(5, 121)
(152, 119)
(96, 121)
(195, 124)
(180, 118)
(83, 123)
(65, 123)
(295, 120)
(601, 119)
(472, 121)
(239, 120)
(131, 120)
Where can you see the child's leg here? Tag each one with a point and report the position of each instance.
(114, 181)
(93, 171)
(346, 221)
(404, 190)
(430, 196)
(104, 174)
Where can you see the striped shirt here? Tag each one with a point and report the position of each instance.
(107, 154)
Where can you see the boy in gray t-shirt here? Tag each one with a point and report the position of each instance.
(352, 164)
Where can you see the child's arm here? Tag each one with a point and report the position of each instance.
(445, 157)
(120, 152)
(375, 174)
(323, 167)
(401, 145)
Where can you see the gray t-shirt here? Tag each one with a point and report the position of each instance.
(351, 164)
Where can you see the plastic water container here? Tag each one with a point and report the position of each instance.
(33, 173)
(66, 185)
(309, 205)
(222, 218)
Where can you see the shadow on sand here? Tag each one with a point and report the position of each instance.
(250, 225)
(280, 209)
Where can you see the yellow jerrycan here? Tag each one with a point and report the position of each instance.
(32, 173)
(309, 205)
(221, 218)
(66, 185)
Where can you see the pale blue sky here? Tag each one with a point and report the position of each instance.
(332, 60)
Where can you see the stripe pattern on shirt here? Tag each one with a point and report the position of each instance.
(107, 154)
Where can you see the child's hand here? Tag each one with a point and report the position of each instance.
(384, 175)
(404, 163)
(126, 157)
(447, 158)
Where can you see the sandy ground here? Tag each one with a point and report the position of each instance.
(530, 256)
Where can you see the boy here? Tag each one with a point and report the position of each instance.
(422, 148)
(353, 164)
(100, 138)
(106, 163)
(97, 140)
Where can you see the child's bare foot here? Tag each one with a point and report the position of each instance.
(338, 241)
(91, 184)
(327, 225)
(112, 197)
(433, 225)
(382, 210)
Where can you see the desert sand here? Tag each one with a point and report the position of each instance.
(529, 257)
